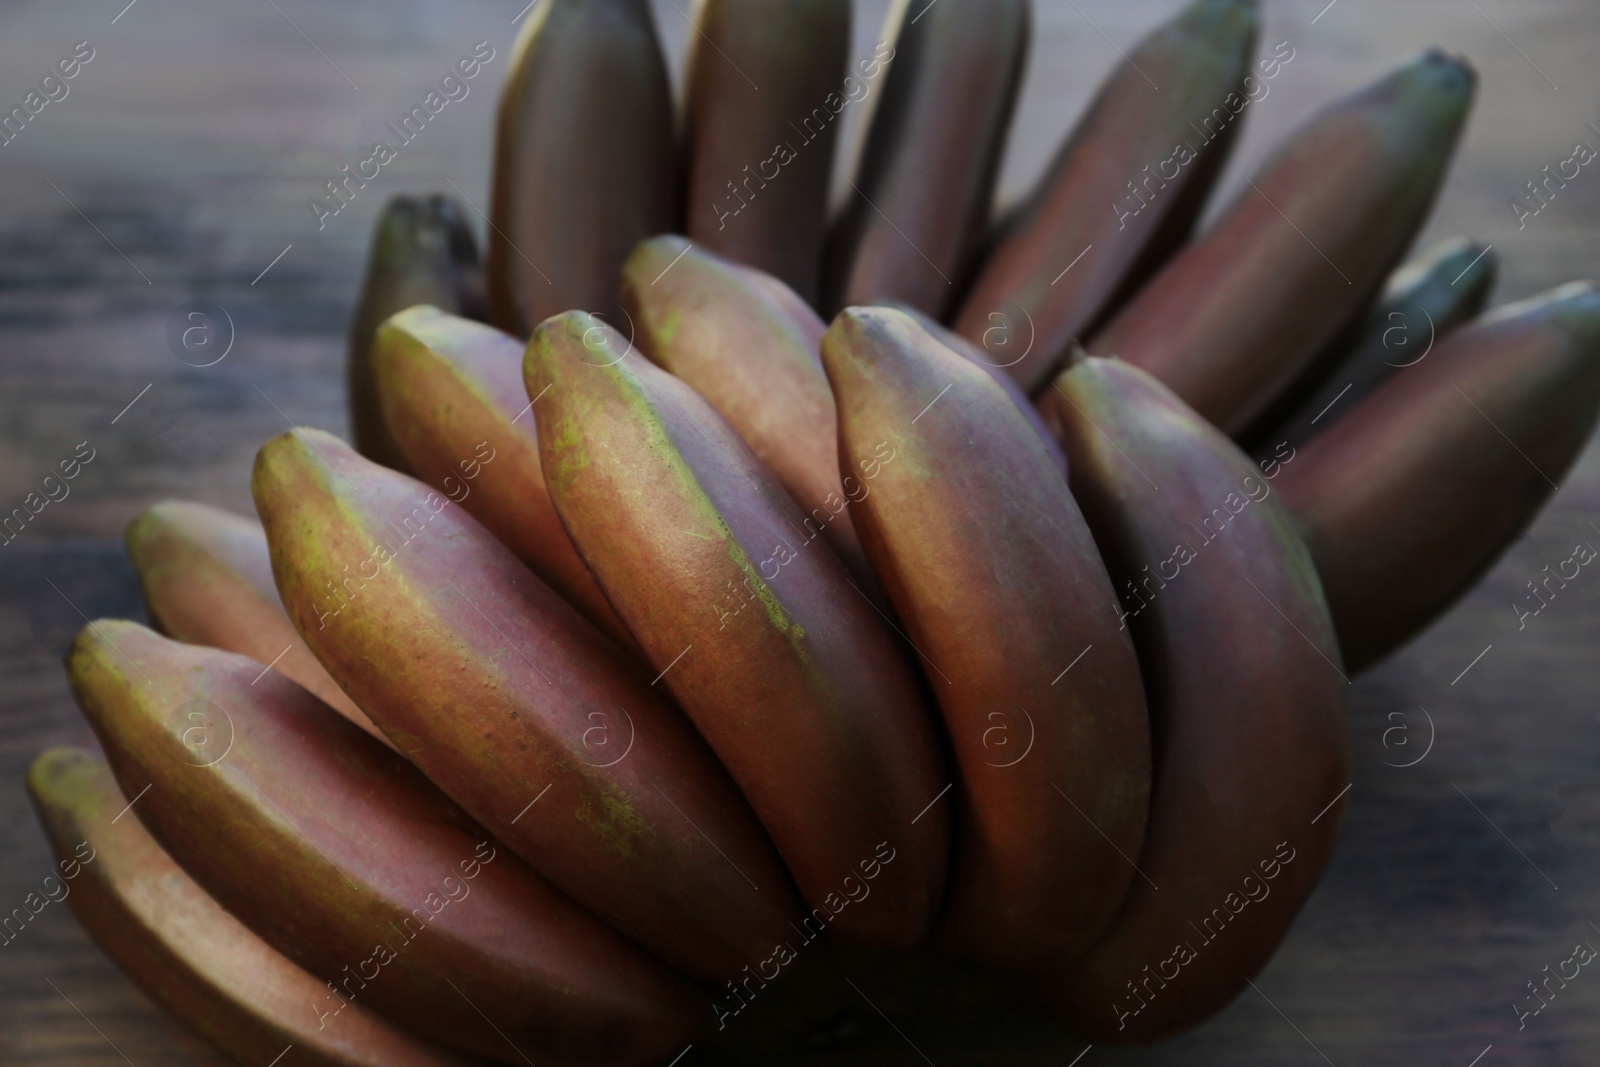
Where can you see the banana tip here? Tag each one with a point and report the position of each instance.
(1454, 71)
(58, 774)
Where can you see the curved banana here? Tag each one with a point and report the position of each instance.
(452, 390)
(749, 345)
(200, 964)
(786, 667)
(991, 566)
(583, 159)
(1247, 704)
(343, 857)
(1407, 500)
(1123, 191)
(1235, 322)
(504, 696)
(979, 358)
(918, 209)
(758, 155)
(1424, 300)
(207, 580)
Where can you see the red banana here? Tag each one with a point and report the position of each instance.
(423, 252)
(1424, 300)
(452, 391)
(207, 579)
(1247, 704)
(980, 358)
(988, 561)
(749, 345)
(918, 208)
(791, 675)
(1406, 501)
(583, 159)
(1107, 212)
(505, 697)
(758, 156)
(1235, 322)
(199, 963)
(342, 856)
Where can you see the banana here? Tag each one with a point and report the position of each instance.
(1422, 301)
(758, 155)
(1252, 748)
(1236, 321)
(583, 161)
(918, 211)
(991, 566)
(790, 674)
(1123, 191)
(452, 390)
(200, 964)
(207, 580)
(340, 855)
(1407, 500)
(981, 359)
(423, 252)
(498, 690)
(749, 345)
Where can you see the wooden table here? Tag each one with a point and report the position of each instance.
(179, 167)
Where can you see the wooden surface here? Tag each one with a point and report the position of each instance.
(193, 140)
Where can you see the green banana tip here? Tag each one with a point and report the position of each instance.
(61, 777)
(96, 644)
(1573, 308)
(855, 329)
(401, 220)
(409, 223)
(408, 210)
(1227, 9)
(413, 317)
(571, 341)
(1442, 73)
(293, 456)
(1219, 20)
(1419, 107)
(143, 526)
(401, 332)
(661, 250)
(652, 260)
(1576, 306)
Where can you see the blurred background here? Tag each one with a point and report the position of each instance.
(179, 167)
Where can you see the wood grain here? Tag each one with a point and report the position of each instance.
(194, 140)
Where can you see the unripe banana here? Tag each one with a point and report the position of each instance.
(790, 673)
(423, 252)
(583, 159)
(207, 580)
(500, 691)
(199, 963)
(990, 565)
(1123, 191)
(1247, 704)
(918, 209)
(452, 391)
(343, 857)
(766, 90)
(1236, 321)
(1407, 500)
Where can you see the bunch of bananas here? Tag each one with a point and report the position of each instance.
(999, 629)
